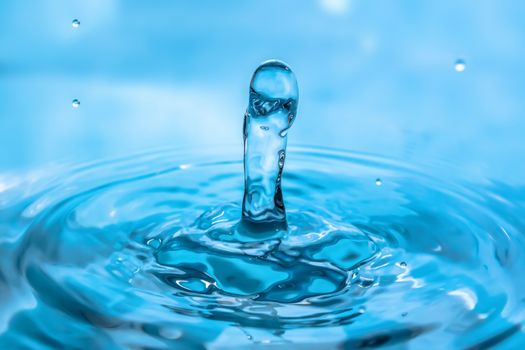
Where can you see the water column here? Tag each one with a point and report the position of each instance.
(271, 112)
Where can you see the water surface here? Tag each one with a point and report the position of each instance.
(146, 252)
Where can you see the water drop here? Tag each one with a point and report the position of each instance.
(403, 264)
(75, 23)
(460, 65)
(272, 107)
(404, 314)
(379, 182)
(154, 243)
(75, 103)
(282, 155)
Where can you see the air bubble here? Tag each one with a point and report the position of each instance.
(282, 155)
(379, 182)
(75, 23)
(75, 103)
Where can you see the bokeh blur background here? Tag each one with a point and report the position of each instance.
(374, 76)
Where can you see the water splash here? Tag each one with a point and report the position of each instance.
(272, 109)
(118, 256)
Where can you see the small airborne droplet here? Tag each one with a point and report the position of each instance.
(75, 23)
(379, 182)
(403, 264)
(460, 65)
(75, 103)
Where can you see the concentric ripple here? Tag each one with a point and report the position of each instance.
(148, 252)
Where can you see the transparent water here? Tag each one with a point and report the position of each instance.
(272, 108)
(146, 252)
(412, 240)
(151, 251)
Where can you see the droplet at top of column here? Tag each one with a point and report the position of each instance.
(274, 79)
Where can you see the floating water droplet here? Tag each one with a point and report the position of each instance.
(273, 102)
(379, 182)
(403, 264)
(404, 314)
(75, 23)
(460, 65)
(362, 310)
(75, 103)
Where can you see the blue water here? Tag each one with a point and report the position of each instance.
(121, 228)
(272, 108)
(145, 252)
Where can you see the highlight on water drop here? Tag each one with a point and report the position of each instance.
(75, 103)
(75, 23)
(460, 65)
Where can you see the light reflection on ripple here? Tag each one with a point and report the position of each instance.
(146, 251)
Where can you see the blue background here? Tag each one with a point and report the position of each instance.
(374, 76)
